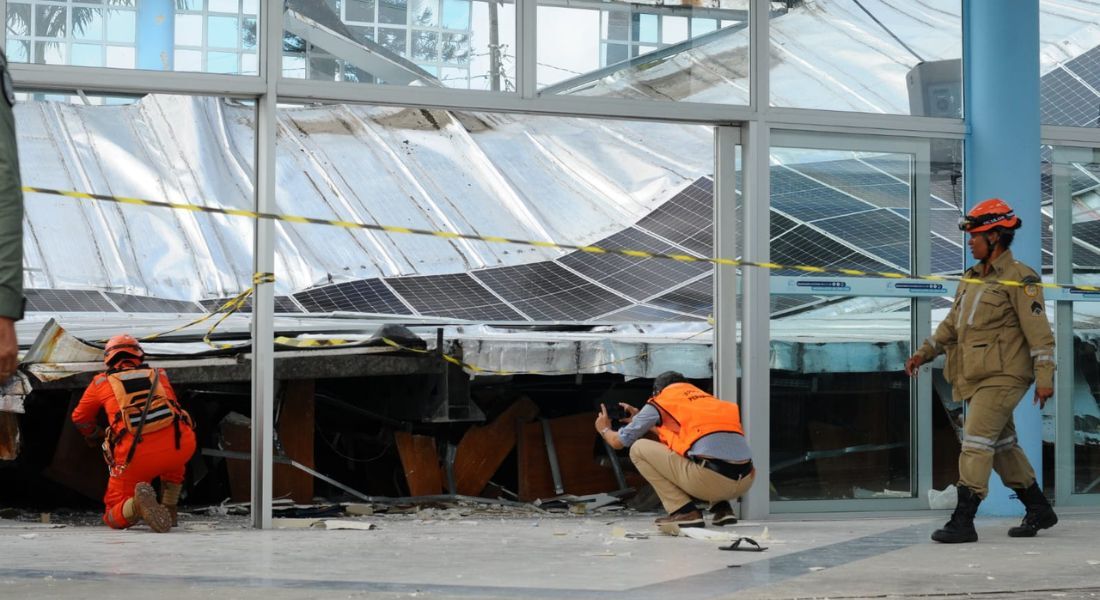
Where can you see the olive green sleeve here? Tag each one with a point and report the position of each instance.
(11, 219)
(1031, 311)
(944, 335)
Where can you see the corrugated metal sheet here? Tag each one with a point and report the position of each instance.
(535, 178)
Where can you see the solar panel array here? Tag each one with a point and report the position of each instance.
(1069, 94)
(852, 213)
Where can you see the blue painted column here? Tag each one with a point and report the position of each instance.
(156, 34)
(1001, 90)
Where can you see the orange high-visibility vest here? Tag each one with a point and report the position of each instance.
(688, 413)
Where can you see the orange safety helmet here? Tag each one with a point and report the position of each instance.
(988, 214)
(121, 344)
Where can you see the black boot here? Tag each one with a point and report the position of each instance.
(960, 528)
(1039, 514)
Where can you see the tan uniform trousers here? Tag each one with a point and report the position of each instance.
(677, 480)
(989, 441)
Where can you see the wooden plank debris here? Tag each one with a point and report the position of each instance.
(420, 460)
(575, 442)
(483, 448)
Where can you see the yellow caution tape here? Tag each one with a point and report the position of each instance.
(643, 254)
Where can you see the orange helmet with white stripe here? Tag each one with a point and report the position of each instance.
(123, 344)
(989, 214)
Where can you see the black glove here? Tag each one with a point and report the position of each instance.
(95, 438)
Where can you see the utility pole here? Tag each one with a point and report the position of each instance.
(494, 48)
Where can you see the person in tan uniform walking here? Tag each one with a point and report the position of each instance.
(998, 341)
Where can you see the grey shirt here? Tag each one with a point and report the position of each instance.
(721, 445)
(11, 207)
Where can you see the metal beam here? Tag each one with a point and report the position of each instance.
(123, 82)
(726, 140)
(263, 260)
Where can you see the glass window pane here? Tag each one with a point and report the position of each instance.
(434, 33)
(49, 53)
(1074, 182)
(221, 62)
(841, 426)
(88, 23)
(223, 6)
(701, 26)
(1069, 65)
(606, 49)
(393, 12)
(121, 26)
(425, 13)
(188, 60)
(120, 57)
(222, 32)
(249, 64)
(645, 28)
(425, 46)
(360, 11)
(188, 30)
(674, 30)
(456, 14)
(392, 39)
(248, 34)
(871, 57)
(87, 55)
(18, 50)
(19, 19)
(50, 21)
(250, 7)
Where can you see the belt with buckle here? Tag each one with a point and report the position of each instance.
(734, 471)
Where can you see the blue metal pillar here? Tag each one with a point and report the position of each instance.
(1001, 90)
(156, 34)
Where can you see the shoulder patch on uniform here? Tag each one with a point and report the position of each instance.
(1036, 308)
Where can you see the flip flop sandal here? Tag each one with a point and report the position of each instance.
(751, 545)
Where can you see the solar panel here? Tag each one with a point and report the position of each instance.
(547, 291)
(456, 296)
(696, 298)
(687, 219)
(149, 304)
(637, 278)
(1066, 101)
(283, 304)
(879, 232)
(783, 304)
(896, 165)
(808, 200)
(856, 179)
(805, 246)
(1087, 67)
(1084, 257)
(365, 295)
(49, 300)
(1088, 232)
(640, 313)
(780, 225)
(946, 257)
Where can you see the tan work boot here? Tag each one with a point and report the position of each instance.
(170, 497)
(149, 510)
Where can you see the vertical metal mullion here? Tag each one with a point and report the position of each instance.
(4, 29)
(527, 44)
(1063, 327)
(920, 392)
(759, 69)
(755, 292)
(755, 321)
(263, 259)
(725, 277)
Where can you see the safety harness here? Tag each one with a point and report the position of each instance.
(143, 407)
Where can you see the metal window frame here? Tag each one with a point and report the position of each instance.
(1064, 447)
(920, 391)
(756, 122)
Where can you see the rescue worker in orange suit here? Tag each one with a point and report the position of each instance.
(997, 340)
(701, 453)
(146, 438)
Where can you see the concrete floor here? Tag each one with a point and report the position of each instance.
(494, 556)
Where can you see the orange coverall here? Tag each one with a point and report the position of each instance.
(156, 455)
